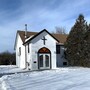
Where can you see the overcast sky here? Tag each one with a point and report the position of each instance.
(38, 15)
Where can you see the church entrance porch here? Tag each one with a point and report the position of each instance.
(44, 58)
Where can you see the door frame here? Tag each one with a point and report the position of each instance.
(44, 53)
(44, 61)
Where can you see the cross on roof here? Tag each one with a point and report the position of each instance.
(44, 39)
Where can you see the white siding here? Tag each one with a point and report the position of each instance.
(37, 43)
(20, 59)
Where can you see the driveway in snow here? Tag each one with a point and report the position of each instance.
(60, 79)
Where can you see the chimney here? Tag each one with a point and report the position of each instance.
(25, 31)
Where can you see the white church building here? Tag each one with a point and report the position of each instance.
(40, 50)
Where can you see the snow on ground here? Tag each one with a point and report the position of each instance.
(59, 79)
(9, 69)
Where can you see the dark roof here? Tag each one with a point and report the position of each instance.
(61, 38)
(22, 34)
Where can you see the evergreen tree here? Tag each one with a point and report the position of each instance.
(74, 44)
(87, 47)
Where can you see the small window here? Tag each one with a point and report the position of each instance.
(64, 63)
(19, 50)
(58, 49)
(28, 48)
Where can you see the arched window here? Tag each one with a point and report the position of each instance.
(44, 50)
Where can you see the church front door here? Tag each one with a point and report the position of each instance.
(44, 58)
(44, 61)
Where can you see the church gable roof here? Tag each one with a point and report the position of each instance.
(44, 30)
(61, 38)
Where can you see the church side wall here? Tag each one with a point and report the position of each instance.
(37, 43)
(20, 59)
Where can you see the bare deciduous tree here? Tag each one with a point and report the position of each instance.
(59, 30)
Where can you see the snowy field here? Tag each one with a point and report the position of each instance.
(60, 79)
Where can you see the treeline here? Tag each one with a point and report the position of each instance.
(7, 58)
(78, 43)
